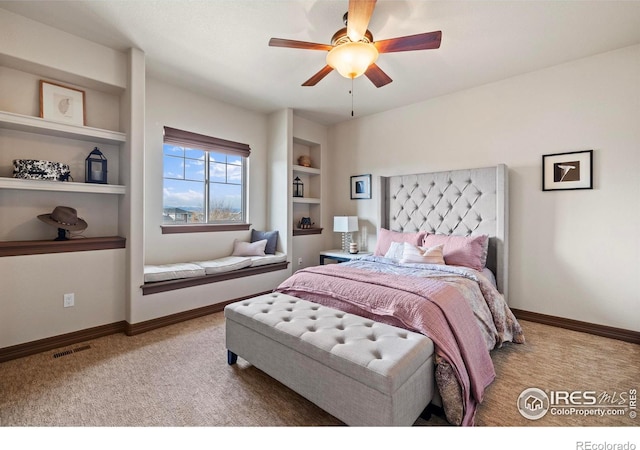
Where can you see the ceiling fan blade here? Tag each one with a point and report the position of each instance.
(326, 70)
(358, 18)
(377, 76)
(424, 41)
(277, 42)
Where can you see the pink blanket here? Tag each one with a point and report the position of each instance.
(428, 306)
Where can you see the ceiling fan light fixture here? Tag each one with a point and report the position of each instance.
(352, 52)
(352, 59)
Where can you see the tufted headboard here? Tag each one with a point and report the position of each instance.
(457, 202)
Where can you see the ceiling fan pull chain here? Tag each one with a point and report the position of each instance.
(351, 92)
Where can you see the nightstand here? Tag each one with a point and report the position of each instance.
(340, 256)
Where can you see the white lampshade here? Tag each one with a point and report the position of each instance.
(345, 224)
(352, 59)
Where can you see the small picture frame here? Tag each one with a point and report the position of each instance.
(360, 187)
(567, 171)
(62, 103)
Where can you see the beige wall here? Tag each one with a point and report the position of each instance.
(574, 254)
(168, 105)
(33, 287)
(26, 43)
(31, 298)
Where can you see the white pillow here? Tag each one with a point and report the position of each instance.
(241, 248)
(421, 255)
(395, 251)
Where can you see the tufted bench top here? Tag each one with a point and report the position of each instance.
(378, 355)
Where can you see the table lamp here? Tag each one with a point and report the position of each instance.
(346, 225)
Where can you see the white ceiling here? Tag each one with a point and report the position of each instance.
(220, 47)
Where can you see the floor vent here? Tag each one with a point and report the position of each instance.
(68, 352)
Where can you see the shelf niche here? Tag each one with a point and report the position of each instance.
(60, 186)
(310, 204)
(30, 124)
(25, 135)
(17, 248)
(306, 231)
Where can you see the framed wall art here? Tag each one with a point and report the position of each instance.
(62, 103)
(567, 171)
(360, 186)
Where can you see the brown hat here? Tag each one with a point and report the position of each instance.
(64, 217)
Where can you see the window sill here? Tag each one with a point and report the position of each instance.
(204, 228)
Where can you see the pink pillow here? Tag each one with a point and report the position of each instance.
(386, 237)
(464, 251)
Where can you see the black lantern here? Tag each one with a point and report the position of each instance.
(298, 188)
(96, 167)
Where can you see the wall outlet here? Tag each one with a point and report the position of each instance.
(299, 261)
(69, 300)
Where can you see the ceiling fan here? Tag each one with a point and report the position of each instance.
(353, 51)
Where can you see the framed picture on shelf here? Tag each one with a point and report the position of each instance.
(360, 186)
(567, 171)
(62, 103)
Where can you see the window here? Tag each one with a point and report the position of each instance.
(204, 179)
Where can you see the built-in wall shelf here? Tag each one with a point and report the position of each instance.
(16, 248)
(304, 169)
(60, 186)
(38, 125)
(307, 200)
(306, 231)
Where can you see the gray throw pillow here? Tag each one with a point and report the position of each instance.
(270, 236)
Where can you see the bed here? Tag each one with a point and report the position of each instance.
(439, 268)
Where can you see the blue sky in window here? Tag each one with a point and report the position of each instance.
(225, 173)
(226, 195)
(187, 168)
(173, 167)
(183, 163)
(183, 194)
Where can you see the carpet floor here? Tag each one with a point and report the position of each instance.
(178, 376)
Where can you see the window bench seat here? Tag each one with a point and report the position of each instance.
(168, 277)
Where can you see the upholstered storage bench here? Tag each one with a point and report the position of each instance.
(362, 372)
